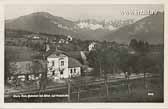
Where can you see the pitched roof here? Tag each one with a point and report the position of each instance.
(53, 51)
(73, 63)
(56, 55)
(74, 54)
(74, 57)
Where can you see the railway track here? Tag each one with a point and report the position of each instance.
(90, 83)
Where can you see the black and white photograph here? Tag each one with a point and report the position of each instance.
(84, 53)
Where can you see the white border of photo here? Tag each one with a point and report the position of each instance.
(83, 105)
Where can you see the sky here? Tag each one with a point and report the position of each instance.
(77, 12)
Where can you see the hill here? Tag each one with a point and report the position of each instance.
(40, 22)
(150, 28)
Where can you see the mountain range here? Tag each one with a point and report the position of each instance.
(150, 28)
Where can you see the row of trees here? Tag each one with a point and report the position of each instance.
(139, 46)
(118, 59)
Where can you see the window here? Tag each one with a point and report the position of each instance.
(53, 72)
(62, 63)
(71, 71)
(53, 63)
(61, 72)
(74, 70)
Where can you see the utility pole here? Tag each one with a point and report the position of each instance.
(106, 84)
(43, 81)
(127, 81)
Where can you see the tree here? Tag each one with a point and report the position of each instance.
(140, 46)
(94, 60)
(143, 47)
(133, 44)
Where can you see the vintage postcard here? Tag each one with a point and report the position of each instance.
(73, 53)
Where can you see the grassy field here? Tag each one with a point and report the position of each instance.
(138, 93)
(19, 53)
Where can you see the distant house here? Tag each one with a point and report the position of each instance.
(33, 36)
(54, 41)
(66, 42)
(91, 46)
(36, 37)
(61, 66)
(61, 41)
(69, 38)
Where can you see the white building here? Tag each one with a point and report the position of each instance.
(69, 38)
(61, 41)
(36, 37)
(62, 66)
(91, 46)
